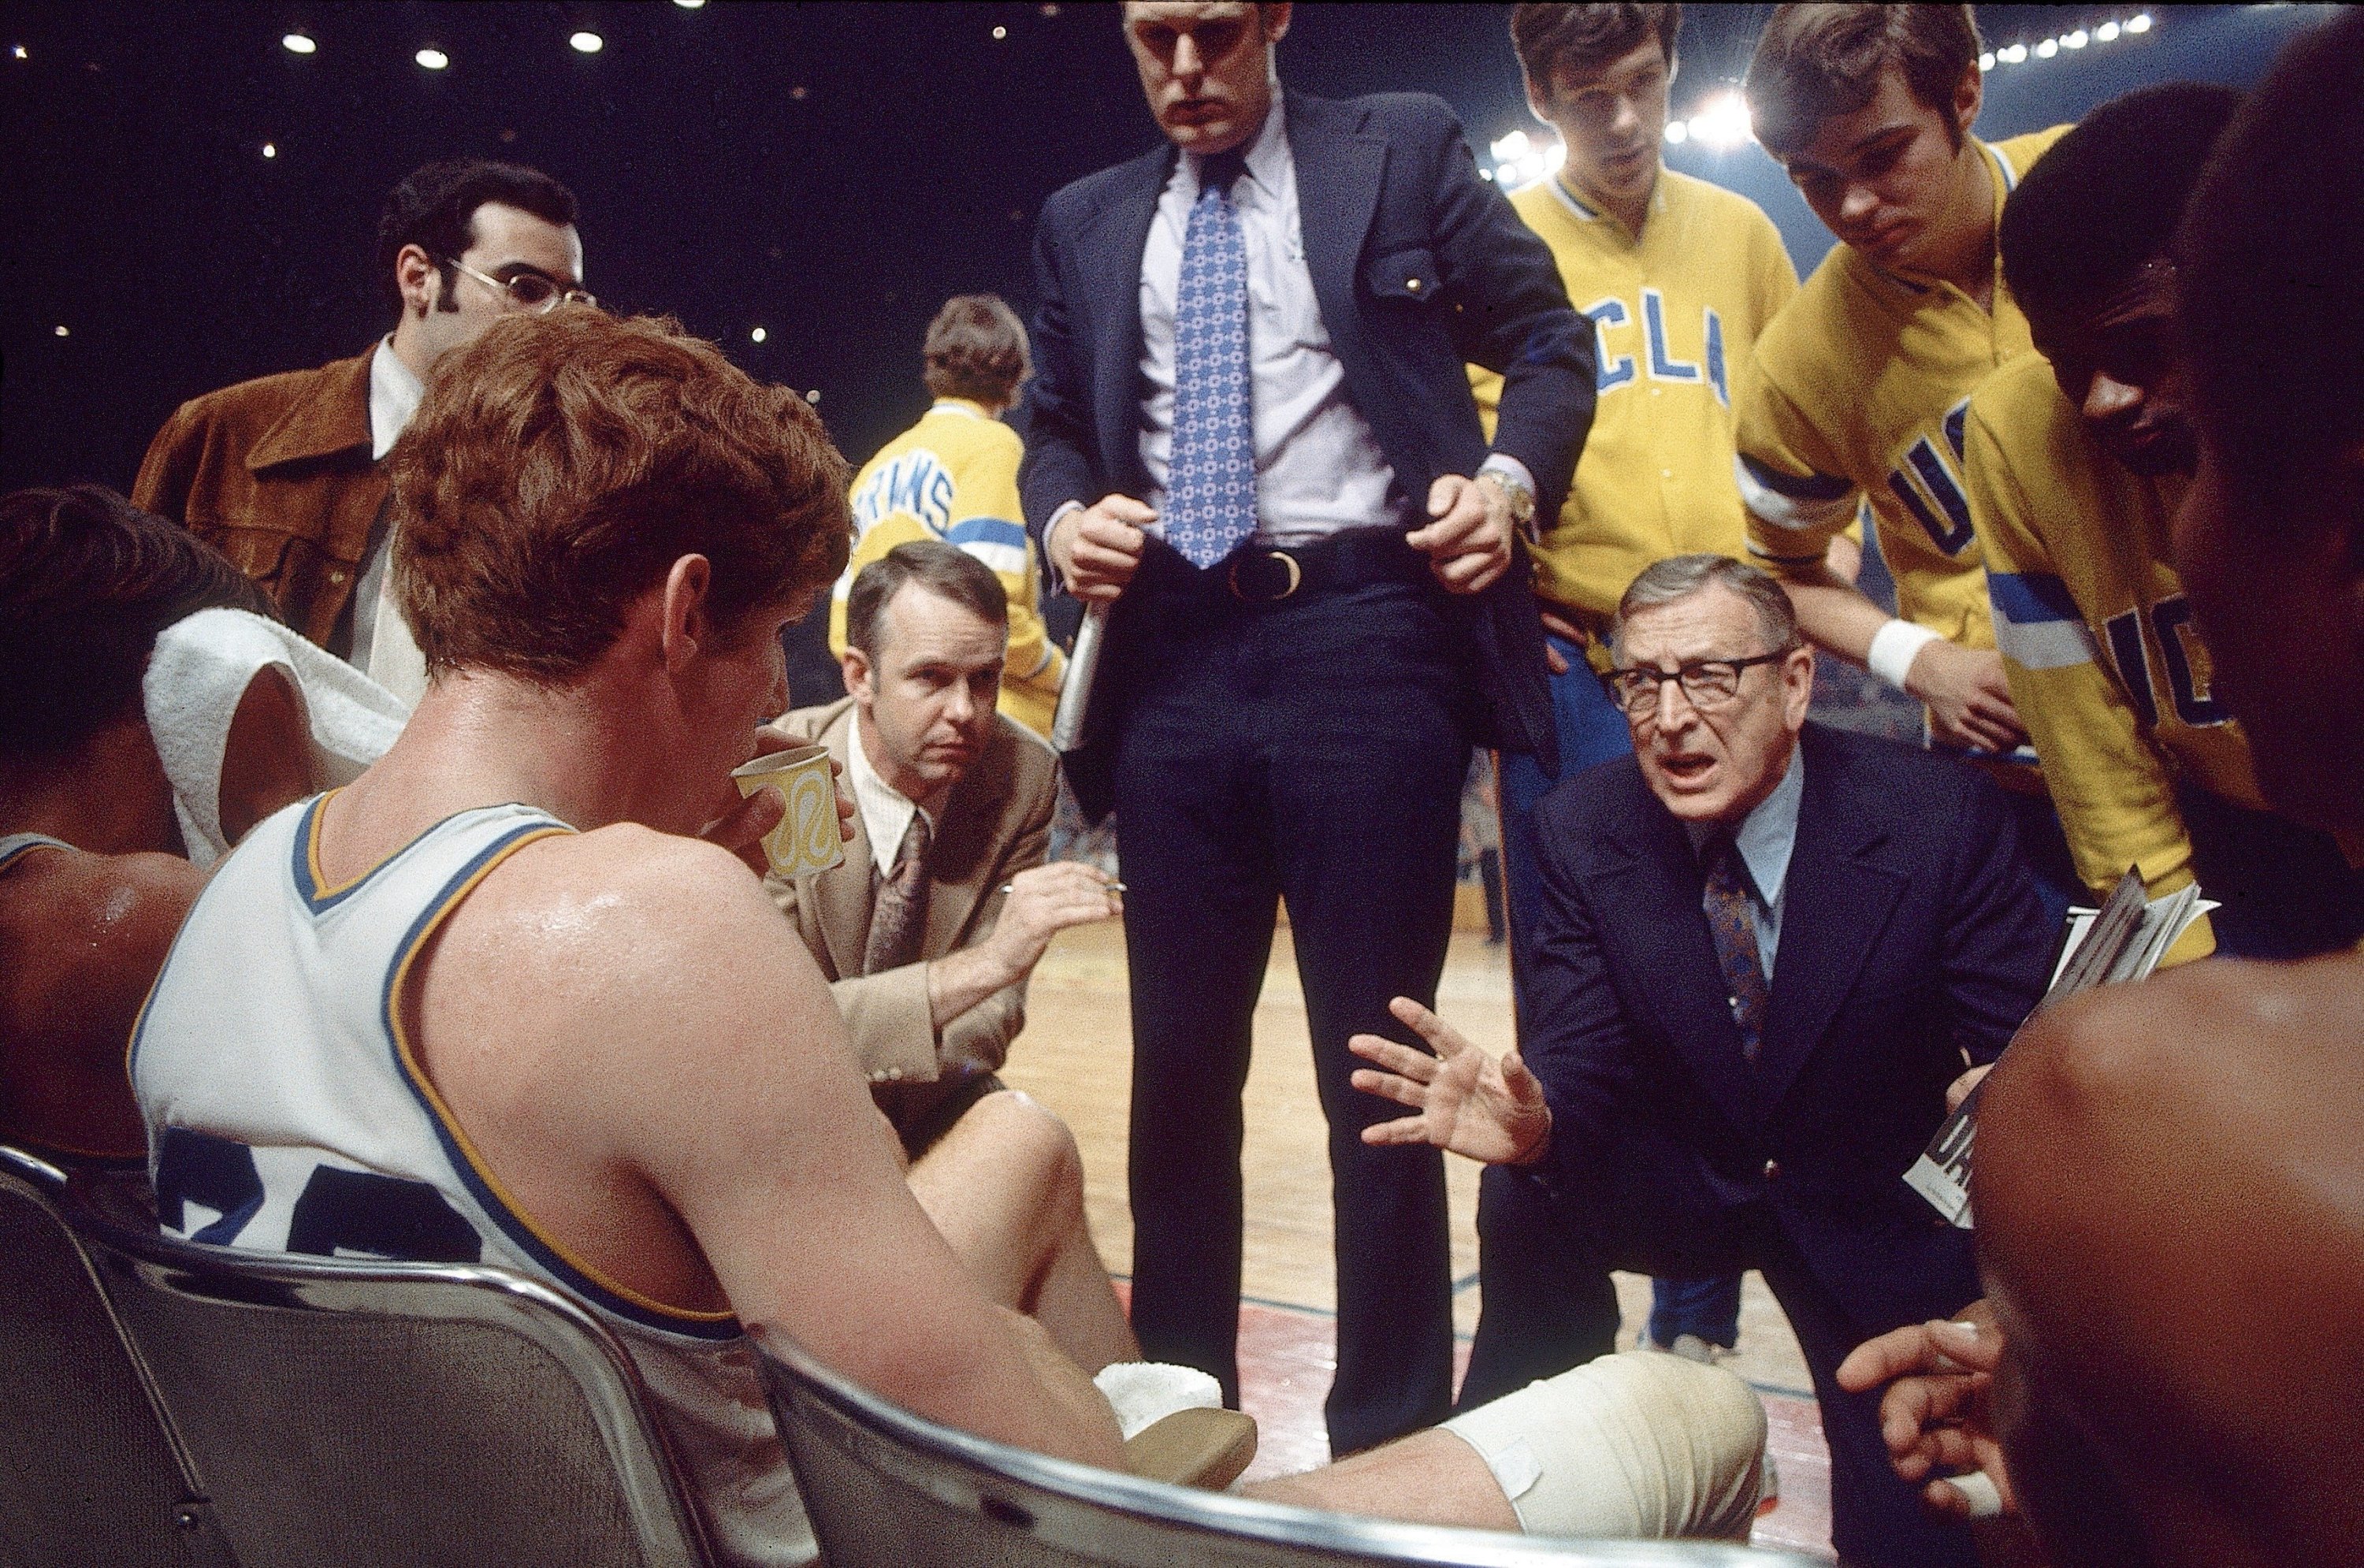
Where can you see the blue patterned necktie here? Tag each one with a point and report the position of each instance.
(1210, 494)
(1731, 922)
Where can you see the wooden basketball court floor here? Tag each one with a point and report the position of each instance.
(1074, 1057)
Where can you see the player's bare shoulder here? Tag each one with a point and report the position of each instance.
(619, 981)
(619, 911)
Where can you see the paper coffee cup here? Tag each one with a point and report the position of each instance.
(807, 839)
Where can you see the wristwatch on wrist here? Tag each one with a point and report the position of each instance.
(1521, 499)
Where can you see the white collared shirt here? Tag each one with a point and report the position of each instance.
(886, 810)
(1319, 468)
(395, 390)
(1766, 839)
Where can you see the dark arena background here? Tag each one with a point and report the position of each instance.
(191, 190)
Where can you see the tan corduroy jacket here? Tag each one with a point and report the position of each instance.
(275, 472)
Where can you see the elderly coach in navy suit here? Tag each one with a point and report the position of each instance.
(1250, 432)
(1765, 953)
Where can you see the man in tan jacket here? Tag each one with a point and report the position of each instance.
(929, 930)
(285, 474)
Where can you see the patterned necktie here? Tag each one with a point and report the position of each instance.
(899, 919)
(1211, 481)
(1731, 922)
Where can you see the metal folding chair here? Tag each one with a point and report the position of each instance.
(384, 1415)
(90, 1470)
(888, 1489)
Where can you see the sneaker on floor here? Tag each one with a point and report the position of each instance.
(1690, 1347)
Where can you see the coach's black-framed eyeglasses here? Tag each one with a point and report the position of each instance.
(1708, 683)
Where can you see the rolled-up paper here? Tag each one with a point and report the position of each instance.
(1979, 1491)
(1076, 697)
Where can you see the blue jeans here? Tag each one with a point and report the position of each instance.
(1592, 730)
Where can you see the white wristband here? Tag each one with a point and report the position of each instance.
(1893, 649)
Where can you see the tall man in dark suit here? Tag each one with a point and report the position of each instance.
(1767, 949)
(1250, 432)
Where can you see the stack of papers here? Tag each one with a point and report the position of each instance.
(2124, 939)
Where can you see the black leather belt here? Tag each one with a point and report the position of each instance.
(1263, 574)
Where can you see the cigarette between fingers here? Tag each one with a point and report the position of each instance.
(1006, 887)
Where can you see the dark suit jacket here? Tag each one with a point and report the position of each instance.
(1911, 939)
(275, 473)
(1420, 268)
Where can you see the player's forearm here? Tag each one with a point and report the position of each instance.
(959, 980)
(1833, 612)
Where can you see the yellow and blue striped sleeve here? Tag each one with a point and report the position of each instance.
(1791, 482)
(2107, 779)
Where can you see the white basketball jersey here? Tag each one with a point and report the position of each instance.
(288, 1112)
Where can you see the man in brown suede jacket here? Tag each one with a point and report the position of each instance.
(283, 473)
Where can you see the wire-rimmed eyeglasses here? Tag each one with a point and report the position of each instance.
(528, 291)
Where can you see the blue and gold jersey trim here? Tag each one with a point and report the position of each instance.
(312, 884)
(2037, 621)
(611, 1295)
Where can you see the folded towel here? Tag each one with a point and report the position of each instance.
(1144, 1393)
(198, 673)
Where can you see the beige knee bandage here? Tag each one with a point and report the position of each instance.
(1627, 1447)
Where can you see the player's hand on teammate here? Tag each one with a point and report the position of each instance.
(1468, 544)
(1937, 1415)
(1969, 697)
(1468, 1102)
(1097, 549)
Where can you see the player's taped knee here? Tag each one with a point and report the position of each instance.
(1637, 1447)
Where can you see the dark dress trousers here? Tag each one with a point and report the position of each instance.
(1913, 945)
(1311, 749)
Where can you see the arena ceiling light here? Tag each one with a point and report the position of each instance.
(691, 4)
(298, 43)
(432, 59)
(1722, 123)
(2076, 39)
(1520, 160)
(587, 42)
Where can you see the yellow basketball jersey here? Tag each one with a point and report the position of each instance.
(2107, 669)
(1858, 391)
(954, 476)
(1676, 313)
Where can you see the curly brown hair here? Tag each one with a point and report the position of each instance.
(561, 464)
(976, 348)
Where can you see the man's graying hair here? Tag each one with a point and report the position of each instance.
(1680, 576)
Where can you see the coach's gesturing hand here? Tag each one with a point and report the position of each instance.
(1478, 1107)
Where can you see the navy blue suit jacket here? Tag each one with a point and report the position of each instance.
(1910, 938)
(1418, 266)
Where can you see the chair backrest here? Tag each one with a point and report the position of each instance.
(886, 1489)
(370, 1413)
(90, 1471)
